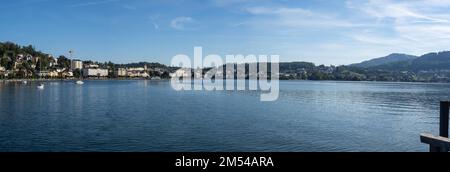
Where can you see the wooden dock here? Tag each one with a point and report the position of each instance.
(439, 143)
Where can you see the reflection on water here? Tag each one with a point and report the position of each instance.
(151, 116)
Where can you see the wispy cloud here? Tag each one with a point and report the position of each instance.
(298, 18)
(180, 23)
(129, 7)
(22, 3)
(383, 26)
(415, 23)
(410, 11)
(153, 20)
(93, 3)
(156, 26)
(227, 3)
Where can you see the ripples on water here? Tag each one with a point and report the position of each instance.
(151, 116)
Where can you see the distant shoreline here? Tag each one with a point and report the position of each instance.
(143, 79)
(87, 79)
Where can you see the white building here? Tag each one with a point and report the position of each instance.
(53, 62)
(145, 75)
(183, 72)
(76, 64)
(95, 72)
(137, 69)
(139, 72)
(43, 74)
(53, 74)
(67, 74)
(91, 66)
(29, 57)
(121, 72)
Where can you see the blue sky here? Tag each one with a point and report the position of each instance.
(319, 31)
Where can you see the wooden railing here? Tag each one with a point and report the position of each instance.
(439, 143)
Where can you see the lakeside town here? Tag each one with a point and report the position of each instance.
(25, 62)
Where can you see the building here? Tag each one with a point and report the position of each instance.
(43, 73)
(60, 70)
(95, 72)
(53, 62)
(183, 72)
(120, 72)
(76, 64)
(53, 74)
(67, 74)
(144, 75)
(138, 69)
(20, 57)
(138, 72)
(2, 72)
(158, 70)
(133, 73)
(91, 66)
(28, 57)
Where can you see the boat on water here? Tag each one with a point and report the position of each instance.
(40, 86)
(24, 82)
(79, 82)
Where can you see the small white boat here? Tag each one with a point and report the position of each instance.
(40, 86)
(24, 82)
(79, 82)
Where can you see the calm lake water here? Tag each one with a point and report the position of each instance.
(151, 116)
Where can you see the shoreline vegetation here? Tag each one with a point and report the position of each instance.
(73, 79)
(19, 63)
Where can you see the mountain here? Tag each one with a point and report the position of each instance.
(427, 62)
(392, 58)
(432, 61)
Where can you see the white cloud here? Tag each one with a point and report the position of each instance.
(417, 26)
(356, 30)
(410, 11)
(180, 23)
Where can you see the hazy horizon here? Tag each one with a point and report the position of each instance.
(318, 31)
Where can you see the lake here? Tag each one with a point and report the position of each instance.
(150, 116)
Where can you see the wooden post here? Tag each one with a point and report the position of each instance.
(443, 122)
(439, 143)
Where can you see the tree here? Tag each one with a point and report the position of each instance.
(29, 50)
(111, 67)
(2, 49)
(42, 64)
(77, 73)
(63, 62)
(4, 62)
(165, 75)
